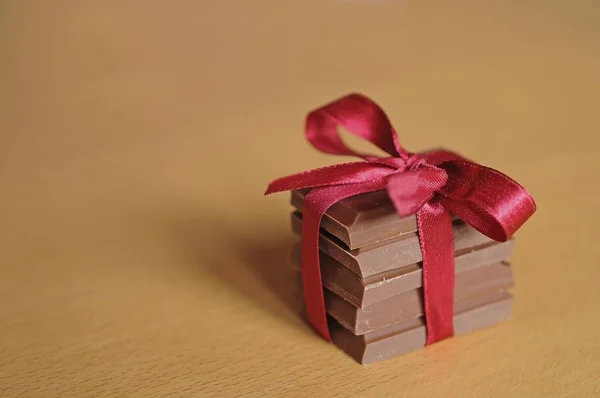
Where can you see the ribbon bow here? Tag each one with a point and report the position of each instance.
(433, 185)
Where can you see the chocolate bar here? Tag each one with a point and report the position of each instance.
(401, 338)
(390, 254)
(362, 220)
(372, 274)
(409, 305)
(364, 292)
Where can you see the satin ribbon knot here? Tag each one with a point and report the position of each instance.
(415, 160)
(430, 185)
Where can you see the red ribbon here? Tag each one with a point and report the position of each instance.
(432, 185)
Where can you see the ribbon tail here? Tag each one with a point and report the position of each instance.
(316, 202)
(338, 174)
(437, 246)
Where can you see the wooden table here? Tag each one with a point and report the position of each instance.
(138, 256)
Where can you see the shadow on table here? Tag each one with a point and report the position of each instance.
(254, 263)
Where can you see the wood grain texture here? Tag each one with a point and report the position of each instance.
(138, 256)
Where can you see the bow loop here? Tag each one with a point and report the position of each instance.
(361, 117)
(488, 200)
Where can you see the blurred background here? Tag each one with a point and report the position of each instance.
(138, 255)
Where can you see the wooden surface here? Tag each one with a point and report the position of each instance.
(138, 256)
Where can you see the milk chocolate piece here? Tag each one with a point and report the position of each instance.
(390, 254)
(362, 220)
(376, 288)
(402, 338)
(409, 305)
(410, 335)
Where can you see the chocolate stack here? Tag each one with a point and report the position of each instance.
(371, 271)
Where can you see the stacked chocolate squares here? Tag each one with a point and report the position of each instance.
(371, 273)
